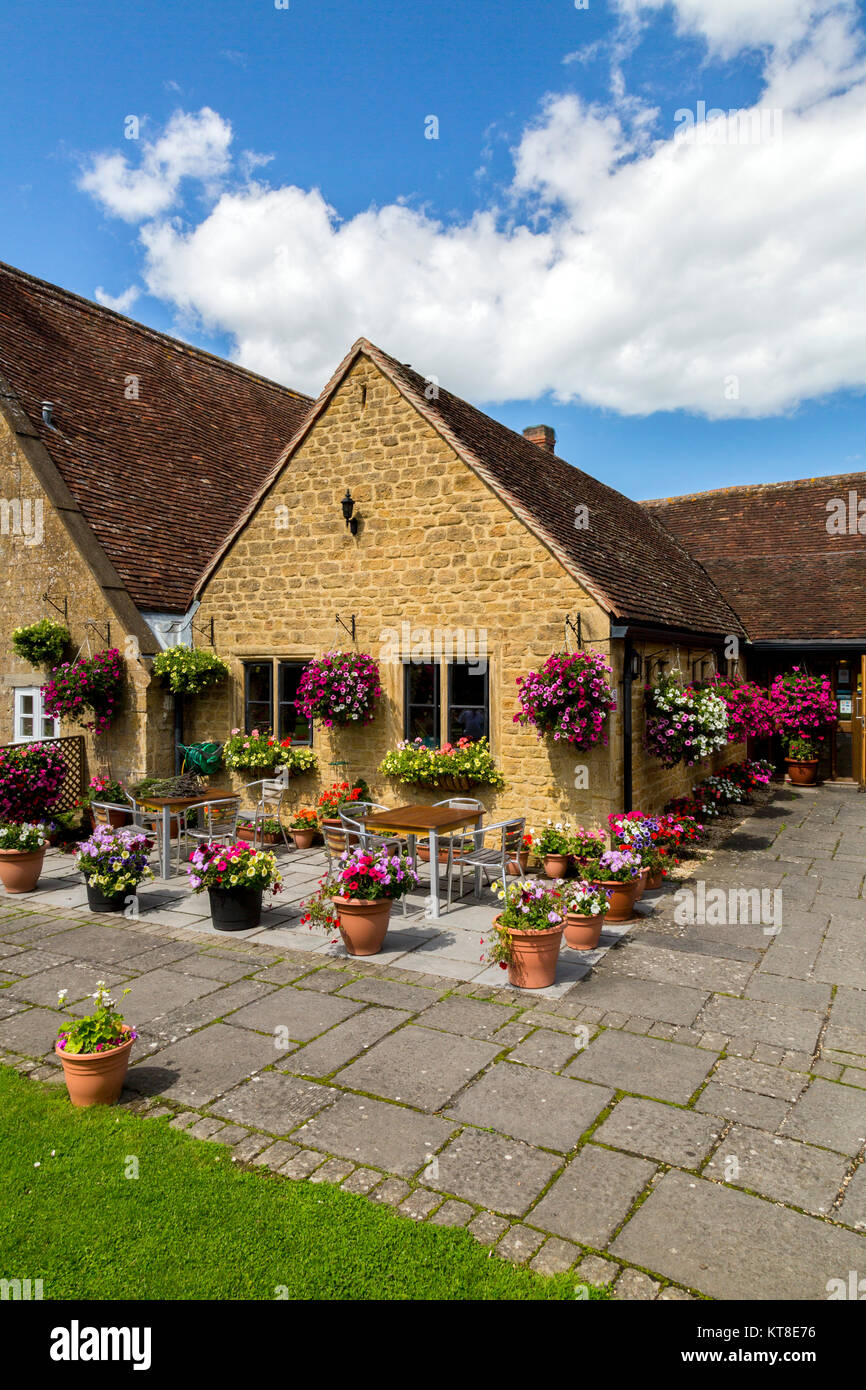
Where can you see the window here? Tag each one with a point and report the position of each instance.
(258, 695)
(31, 724)
(421, 703)
(468, 701)
(292, 723)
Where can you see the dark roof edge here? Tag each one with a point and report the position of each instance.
(749, 487)
(49, 478)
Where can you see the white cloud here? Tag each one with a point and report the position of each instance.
(122, 303)
(729, 26)
(191, 146)
(629, 272)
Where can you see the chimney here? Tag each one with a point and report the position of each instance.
(542, 435)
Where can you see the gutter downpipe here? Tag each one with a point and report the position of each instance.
(621, 633)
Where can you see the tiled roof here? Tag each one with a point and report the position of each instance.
(161, 480)
(631, 564)
(769, 551)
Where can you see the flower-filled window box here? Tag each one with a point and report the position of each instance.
(453, 767)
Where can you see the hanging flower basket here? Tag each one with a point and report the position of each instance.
(751, 712)
(684, 723)
(340, 688)
(804, 706)
(41, 644)
(569, 699)
(92, 684)
(189, 670)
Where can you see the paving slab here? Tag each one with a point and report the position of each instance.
(303, 1014)
(781, 1025)
(469, 1017)
(418, 1066)
(32, 1032)
(776, 989)
(77, 978)
(648, 1066)
(830, 1114)
(274, 1102)
(392, 993)
(849, 1008)
(534, 1105)
(746, 1075)
(203, 1066)
(345, 1041)
(592, 1196)
(764, 1112)
(100, 942)
(629, 995)
(797, 1174)
(668, 967)
(501, 1174)
(160, 992)
(372, 1133)
(733, 1245)
(679, 1137)
(544, 1048)
(853, 1208)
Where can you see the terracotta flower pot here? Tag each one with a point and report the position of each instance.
(514, 868)
(96, 1078)
(655, 881)
(622, 898)
(20, 869)
(802, 774)
(363, 925)
(556, 865)
(641, 884)
(302, 838)
(423, 853)
(583, 933)
(533, 957)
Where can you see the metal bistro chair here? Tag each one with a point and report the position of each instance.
(269, 806)
(356, 833)
(355, 811)
(150, 822)
(215, 822)
(458, 841)
(509, 835)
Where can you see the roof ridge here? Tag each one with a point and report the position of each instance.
(751, 487)
(103, 310)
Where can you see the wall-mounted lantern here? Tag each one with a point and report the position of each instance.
(348, 506)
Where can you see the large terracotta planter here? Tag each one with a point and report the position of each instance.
(302, 838)
(622, 898)
(514, 867)
(583, 933)
(363, 925)
(423, 853)
(235, 909)
(96, 1078)
(20, 869)
(641, 884)
(802, 774)
(655, 881)
(556, 865)
(533, 957)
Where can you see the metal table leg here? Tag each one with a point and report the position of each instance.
(165, 828)
(434, 874)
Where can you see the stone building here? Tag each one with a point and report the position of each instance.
(183, 498)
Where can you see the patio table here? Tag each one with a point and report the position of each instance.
(168, 805)
(419, 819)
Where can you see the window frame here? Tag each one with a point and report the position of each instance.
(38, 716)
(280, 703)
(266, 663)
(485, 675)
(409, 705)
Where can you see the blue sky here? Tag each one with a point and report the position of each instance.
(551, 255)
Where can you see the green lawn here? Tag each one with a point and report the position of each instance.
(195, 1225)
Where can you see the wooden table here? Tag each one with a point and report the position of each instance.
(168, 805)
(421, 820)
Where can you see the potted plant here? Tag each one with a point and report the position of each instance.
(586, 907)
(260, 751)
(270, 829)
(802, 762)
(189, 670)
(340, 794)
(527, 934)
(684, 723)
(303, 827)
(93, 683)
(94, 1051)
(619, 870)
(22, 852)
(569, 699)
(553, 847)
(339, 688)
(114, 863)
(586, 846)
(357, 900)
(235, 877)
(453, 767)
(521, 863)
(107, 790)
(804, 709)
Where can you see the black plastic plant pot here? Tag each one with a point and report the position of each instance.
(97, 901)
(235, 909)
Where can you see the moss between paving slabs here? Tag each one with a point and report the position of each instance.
(194, 1225)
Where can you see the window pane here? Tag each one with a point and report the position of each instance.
(292, 723)
(27, 726)
(468, 706)
(26, 704)
(258, 703)
(421, 703)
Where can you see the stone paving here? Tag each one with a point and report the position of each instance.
(684, 1116)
